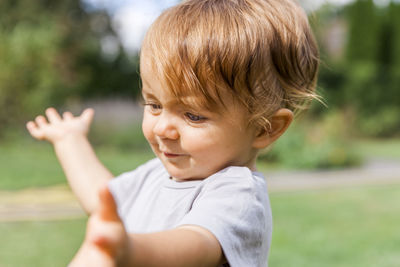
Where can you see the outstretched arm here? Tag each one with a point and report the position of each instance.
(68, 134)
(107, 244)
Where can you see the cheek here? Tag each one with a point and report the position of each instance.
(203, 142)
(147, 127)
(218, 143)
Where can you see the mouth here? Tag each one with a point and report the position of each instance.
(166, 152)
(171, 155)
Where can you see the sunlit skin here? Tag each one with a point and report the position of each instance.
(194, 143)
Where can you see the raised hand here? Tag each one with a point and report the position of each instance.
(68, 134)
(56, 128)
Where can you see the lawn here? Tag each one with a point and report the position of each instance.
(351, 227)
(29, 163)
(356, 227)
(343, 227)
(40, 243)
(375, 148)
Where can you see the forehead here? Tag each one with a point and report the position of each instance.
(157, 81)
(154, 86)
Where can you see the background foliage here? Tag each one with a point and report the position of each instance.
(51, 54)
(55, 53)
(364, 82)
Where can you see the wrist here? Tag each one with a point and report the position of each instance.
(70, 139)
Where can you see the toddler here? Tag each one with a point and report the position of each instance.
(221, 81)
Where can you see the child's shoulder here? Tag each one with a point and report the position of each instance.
(237, 176)
(148, 172)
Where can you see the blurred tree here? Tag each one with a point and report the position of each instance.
(394, 22)
(361, 54)
(363, 31)
(366, 81)
(370, 87)
(54, 51)
(328, 21)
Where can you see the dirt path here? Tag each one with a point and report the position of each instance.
(50, 203)
(374, 172)
(58, 202)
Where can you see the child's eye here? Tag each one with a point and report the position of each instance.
(194, 118)
(153, 107)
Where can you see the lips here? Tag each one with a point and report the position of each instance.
(171, 155)
(166, 152)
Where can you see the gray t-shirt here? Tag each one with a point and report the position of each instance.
(232, 204)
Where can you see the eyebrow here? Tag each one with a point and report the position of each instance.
(147, 93)
(144, 92)
(191, 104)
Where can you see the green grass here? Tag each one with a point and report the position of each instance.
(348, 227)
(40, 243)
(29, 163)
(377, 148)
(354, 227)
(366, 148)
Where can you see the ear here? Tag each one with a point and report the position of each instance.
(280, 121)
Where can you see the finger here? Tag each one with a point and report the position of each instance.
(41, 121)
(87, 115)
(53, 115)
(107, 206)
(34, 130)
(68, 115)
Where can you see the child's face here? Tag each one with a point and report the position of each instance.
(194, 143)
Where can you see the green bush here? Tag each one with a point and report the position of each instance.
(51, 55)
(364, 74)
(124, 138)
(315, 145)
(384, 123)
(27, 77)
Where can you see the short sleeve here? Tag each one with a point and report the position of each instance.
(119, 186)
(129, 184)
(234, 206)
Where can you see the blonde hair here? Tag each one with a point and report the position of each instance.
(260, 51)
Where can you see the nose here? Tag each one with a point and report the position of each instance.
(166, 127)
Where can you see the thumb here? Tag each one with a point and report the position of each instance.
(107, 206)
(87, 115)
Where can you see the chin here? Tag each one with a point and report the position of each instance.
(183, 173)
(176, 174)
